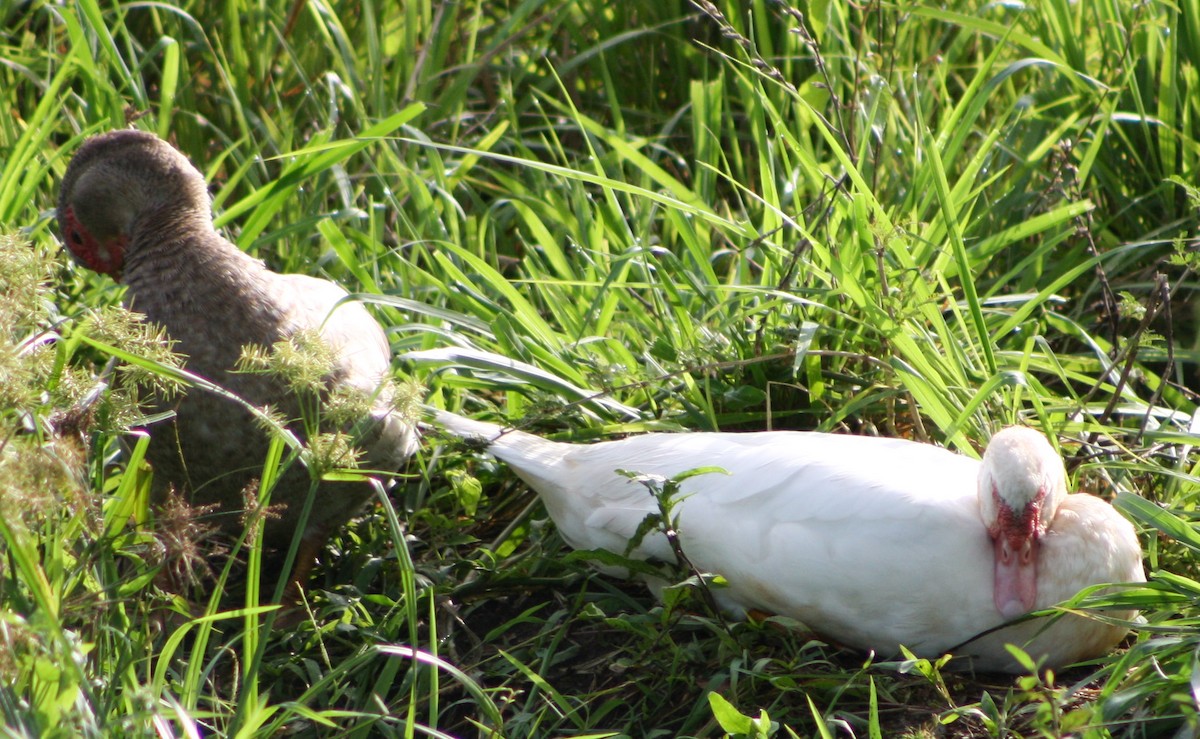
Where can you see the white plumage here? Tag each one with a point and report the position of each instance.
(870, 542)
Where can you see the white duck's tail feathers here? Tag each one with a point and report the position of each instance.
(467, 428)
(522, 450)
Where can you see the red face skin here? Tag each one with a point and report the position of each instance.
(1015, 543)
(106, 257)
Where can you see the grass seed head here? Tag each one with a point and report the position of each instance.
(131, 332)
(303, 361)
(272, 420)
(346, 406)
(24, 283)
(189, 541)
(255, 514)
(408, 396)
(25, 358)
(40, 479)
(332, 450)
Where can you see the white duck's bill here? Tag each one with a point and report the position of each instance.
(1015, 577)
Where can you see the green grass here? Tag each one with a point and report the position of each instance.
(920, 219)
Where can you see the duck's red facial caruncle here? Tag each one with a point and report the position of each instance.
(1015, 540)
(106, 256)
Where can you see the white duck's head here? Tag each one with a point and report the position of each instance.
(1021, 484)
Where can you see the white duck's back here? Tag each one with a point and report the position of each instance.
(827, 529)
(870, 542)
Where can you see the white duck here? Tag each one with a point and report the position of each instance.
(870, 542)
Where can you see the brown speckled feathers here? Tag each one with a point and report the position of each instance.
(134, 207)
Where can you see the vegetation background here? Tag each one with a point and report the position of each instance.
(913, 218)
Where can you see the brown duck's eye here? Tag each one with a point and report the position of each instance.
(75, 236)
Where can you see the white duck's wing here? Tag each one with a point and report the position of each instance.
(897, 569)
(865, 540)
(804, 524)
(769, 478)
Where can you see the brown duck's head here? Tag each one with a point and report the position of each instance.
(120, 182)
